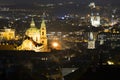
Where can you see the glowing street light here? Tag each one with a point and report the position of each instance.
(55, 44)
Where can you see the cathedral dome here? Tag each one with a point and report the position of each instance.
(33, 32)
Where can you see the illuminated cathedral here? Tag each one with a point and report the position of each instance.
(36, 38)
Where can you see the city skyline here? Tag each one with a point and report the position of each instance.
(57, 39)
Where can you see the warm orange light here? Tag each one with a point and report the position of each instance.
(55, 44)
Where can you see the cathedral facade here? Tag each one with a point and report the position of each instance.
(37, 38)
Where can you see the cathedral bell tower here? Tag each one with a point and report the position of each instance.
(91, 41)
(43, 36)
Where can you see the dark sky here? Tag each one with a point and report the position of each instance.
(56, 1)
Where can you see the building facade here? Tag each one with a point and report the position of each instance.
(36, 38)
(7, 34)
(95, 20)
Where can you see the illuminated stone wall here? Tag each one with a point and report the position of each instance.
(7, 34)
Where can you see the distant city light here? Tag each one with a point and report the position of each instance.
(110, 62)
(73, 70)
(62, 17)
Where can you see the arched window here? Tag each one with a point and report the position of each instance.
(42, 33)
(42, 28)
(42, 42)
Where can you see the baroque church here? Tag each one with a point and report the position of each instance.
(36, 38)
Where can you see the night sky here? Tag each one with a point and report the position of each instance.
(57, 1)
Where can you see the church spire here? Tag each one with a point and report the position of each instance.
(43, 20)
(32, 24)
(43, 23)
